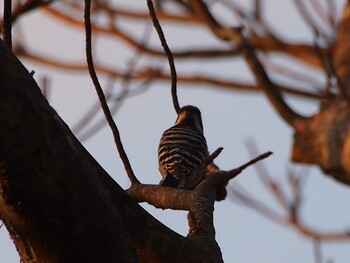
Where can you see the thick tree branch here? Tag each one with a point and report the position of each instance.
(58, 203)
(178, 199)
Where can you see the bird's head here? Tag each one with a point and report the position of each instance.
(190, 116)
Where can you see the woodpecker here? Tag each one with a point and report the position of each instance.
(183, 151)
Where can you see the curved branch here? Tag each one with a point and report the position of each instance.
(102, 98)
(168, 54)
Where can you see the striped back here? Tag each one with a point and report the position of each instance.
(181, 150)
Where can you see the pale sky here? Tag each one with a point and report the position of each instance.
(230, 118)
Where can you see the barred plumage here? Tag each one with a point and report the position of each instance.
(182, 151)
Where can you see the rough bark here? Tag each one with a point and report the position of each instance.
(56, 201)
(324, 139)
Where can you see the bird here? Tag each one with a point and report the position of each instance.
(183, 151)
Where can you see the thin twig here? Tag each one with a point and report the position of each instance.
(167, 52)
(151, 72)
(214, 155)
(328, 64)
(8, 22)
(325, 16)
(117, 102)
(236, 171)
(332, 13)
(119, 99)
(246, 199)
(260, 157)
(102, 98)
(304, 12)
(270, 213)
(257, 9)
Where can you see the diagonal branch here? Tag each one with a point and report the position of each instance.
(270, 89)
(102, 98)
(309, 19)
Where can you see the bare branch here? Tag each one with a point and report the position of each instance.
(122, 35)
(233, 35)
(166, 197)
(285, 70)
(255, 204)
(28, 6)
(271, 91)
(168, 54)
(119, 99)
(309, 19)
(272, 185)
(114, 10)
(102, 98)
(328, 63)
(291, 209)
(116, 104)
(213, 156)
(326, 17)
(220, 179)
(268, 212)
(332, 13)
(155, 73)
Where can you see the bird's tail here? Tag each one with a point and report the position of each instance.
(169, 181)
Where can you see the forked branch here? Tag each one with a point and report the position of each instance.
(199, 201)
